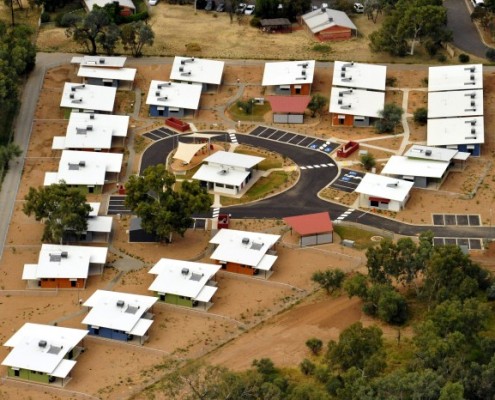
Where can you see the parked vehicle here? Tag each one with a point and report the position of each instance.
(249, 9)
(152, 2)
(359, 8)
(210, 5)
(241, 7)
(221, 7)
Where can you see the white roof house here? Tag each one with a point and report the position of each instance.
(319, 20)
(91, 131)
(120, 74)
(288, 72)
(95, 208)
(359, 76)
(184, 278)
(384, 187)
(88, 97)
(173, 94)
(60, 261)
(43, 348)
(430, 153)
(84, 168)
(209, 173)
(100, 223)
(455, 131)
(457, 103)
(455, 77)
(119, 311)
(198, 70)
(246, 248)
(100, 61)
(357, 102)
(404, 166)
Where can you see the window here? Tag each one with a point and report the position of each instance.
(358, 118)
(284, 87)
(16, 371)
(173, 110)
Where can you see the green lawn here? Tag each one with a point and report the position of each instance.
(259, 111)
(361, 238)
(266, 164)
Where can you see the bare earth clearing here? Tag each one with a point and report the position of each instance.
(244, 307)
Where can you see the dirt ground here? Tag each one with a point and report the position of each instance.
(259, 317)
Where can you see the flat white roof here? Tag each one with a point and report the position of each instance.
(288, 72)
(182, 278)
(356, 102)
(88, 97)
(95, 208)
(400, 165)
(231, 159)
(319, 20)
(60, 261)
(28, 354)
(242, 247)
(91, 131)
(198, 70)
(100, 61)
(174, 94)
(457, 103)
(385, 187)
(100, 223)
(455, 77)
(116, 310)
(218, 174)
(120, 74)
(359, 76)
(455, 131)
(84, 168)
(430, 153)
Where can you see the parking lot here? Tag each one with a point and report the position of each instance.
(348, 180)
(470, 243)
(294, 139)
(456, 219)
(160, 133)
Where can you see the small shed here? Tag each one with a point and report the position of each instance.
(289, 109)
(314, 228)
(329, 25)
(138, 235)
(276, 25)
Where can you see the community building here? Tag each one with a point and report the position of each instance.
(173, 99)
(327, 24)
(119, 316)
(86, 169)
(184, 283)
(207, 73)
(358, 93)
(43, 353)
(63, 267)
(248, 253)
(289, 77)
(383, 192)
(228, 173)
(313, 229)
(88, 98)
(289, 109)
(88, 131)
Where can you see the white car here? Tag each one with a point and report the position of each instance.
(249, 9)
(359, 8)
(152, 2)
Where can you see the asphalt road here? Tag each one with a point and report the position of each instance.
(465, 34)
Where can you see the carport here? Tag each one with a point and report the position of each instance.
(288, 109)
(313, 228)
(275, 25)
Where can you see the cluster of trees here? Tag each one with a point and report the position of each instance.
(98, 29)
(162, 209)
(289, 9)
(409, 22)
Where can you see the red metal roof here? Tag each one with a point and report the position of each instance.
(289, 104)
(310, 223)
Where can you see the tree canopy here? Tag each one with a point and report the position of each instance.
(60, 207)
(163, 210)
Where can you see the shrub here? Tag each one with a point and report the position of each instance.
(464, 58)
(315, 345)
(322, 48)
(420, 116)
(307, 367)
(255, 22)
(45, 17)
(391, 81)
(442, 58)
(330, 280)
(490, 54)
(367, 161)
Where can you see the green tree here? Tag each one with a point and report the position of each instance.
(61, 208)
(358, 347)
(317, 104)
(390, 117)
(315, 345)
(162, 210)
(357, 285)
(330, 280)
(402, 384)
(307, 367)
(110, 39)
(8, 153)
(135, 36)
(88, 30)
(420, 115)
(367, 161)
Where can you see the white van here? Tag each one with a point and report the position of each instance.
(478, 3)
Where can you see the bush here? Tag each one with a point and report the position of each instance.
(59, 20)
(307, 367)
(391, 81)
(255, 22)
(442, 58)
(315, 345)
(367, 161)
(464, 58)
(490, 54)
(421, 116)
(45, 17)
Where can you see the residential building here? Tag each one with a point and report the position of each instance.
(208, 73)
(329, 25)
(172, 99)
(289, 77)
(383, 192)
(88, 98)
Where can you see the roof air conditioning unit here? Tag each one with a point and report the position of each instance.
(184, 271)
(82, 163)
(102, 61)
(473, 131)
(428, 152)
(473, 104)
(303, 73)
(182, 62)
(342, 74)
(42, 343)
(91, 116)
(64, 254)
(181, 69)
(157, 93)
(347, 79)
(472, 77)
(346, 107)
(393, 185)
(89, 127)
(245, 240)
(71, 96)
(473, 95)
(339, 102)
(120, 303)
(77, 101)
(80, 131)
(330, 19)
(341, 94)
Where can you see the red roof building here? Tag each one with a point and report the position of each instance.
(313, 228)
(288, 109)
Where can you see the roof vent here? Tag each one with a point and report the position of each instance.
(74, 88)
(181, 69)
(428, 152)
(245, 241)
(342, 74)
(77, 100)
(323, 9)
(184, 271)
(82, 163)
(330, 19)
(473, 104)
(71, 96)
(188, 73)
(102, 61)
(473, 131)
(470, 69)
(91, 116)
(346, 107)
(157, 93)
(472, 122)
(64, 254)
(120, 303)
(347, 79)
(223, 172)
(80, 131)
(393, 184)
(339, 102)
(55, 257)
(472, 77)
(163, 98)
(161, 85)
(89, 127)
(304, 65)
(42, 343)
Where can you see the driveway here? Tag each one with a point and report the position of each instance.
(465, 34)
